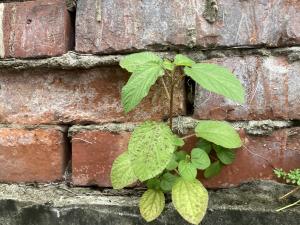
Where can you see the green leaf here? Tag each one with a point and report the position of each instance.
(220, 133)
(180, 155)
(178, 141)
(122, 173)
(213, 170)
(139, 84)
(153, 183)
(167, 181)
(150, 148)
(205, 145)
(134, 61)
(187, 170)
(152, 204)
(200, 159)
(182, 60)
(217, 79)
(168, 65)
(226, 156)
(172, 164)
(190, 199)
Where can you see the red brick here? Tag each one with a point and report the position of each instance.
(32, 155)
(38, 28)
(272, 90)
(93, 153)
(76, 96)
(128, 25)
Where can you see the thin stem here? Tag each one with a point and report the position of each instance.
(188, 136)
(289, 193)
(288, 206)
(171, 100)
(166, 89)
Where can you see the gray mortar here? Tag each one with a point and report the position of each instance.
(33, 127)
(73, 60)
(251, 203)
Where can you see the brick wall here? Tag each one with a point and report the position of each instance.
(60, 112)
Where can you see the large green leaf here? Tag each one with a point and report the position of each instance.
(213, 170)
(139, 84)
(122, 173)
(190, 199)
(217, 79)
(187, 170)
(226, 156)
(133, 61)
(182, 60)
(152, 204)
(220, 133)
(200, 158)
(151, 148)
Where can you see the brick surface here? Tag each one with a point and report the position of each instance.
(32, 155)
(32, 29)
(272, 90)
(128, 25)
(94, 152)
(78, 96)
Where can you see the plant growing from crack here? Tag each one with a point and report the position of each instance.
(291, 177)
(155, 156)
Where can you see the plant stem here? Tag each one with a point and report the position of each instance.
(166, 89)
(289, 193)
(171, 100)
(288, 206)
(188, 136)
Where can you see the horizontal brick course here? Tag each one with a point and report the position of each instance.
(130, 25)
(40, 28)
(272, 90)
(32, 155)
(76, 96)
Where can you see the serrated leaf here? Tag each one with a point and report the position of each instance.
(200, 159)
(190, 199)
(182, 60)
(213, 170)
(226, 156)
(150, 148)
(187, 170)
(172, 164)
(217, 79)
(139, 84)
(180, 155)
(153, 183)
(134, 61)
(168, 65)
(205, 145)
(152, 204)
(219, 133)
(122, 173)
(167, 181)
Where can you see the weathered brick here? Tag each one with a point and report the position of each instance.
(272, 90)
(94, 152)
(38, 28)
(76, 96)
(128, 25)
(32, 155)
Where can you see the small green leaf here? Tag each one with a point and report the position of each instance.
(153, 183)
(226, 156)
(220, 133)
(217, 79)
(134, 61)
(182, 60)
(151, 148)
(122, 173)
(167, 181)
(205, 145)
(139, 84)
(213, 170)
(187, 170)
(152, 204)
(180, 155)
(200, 159)
(190, 199)
(178, 141)
(168, 65)
(172, 164)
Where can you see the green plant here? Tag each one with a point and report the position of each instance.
(155, 156)
(291, 177)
